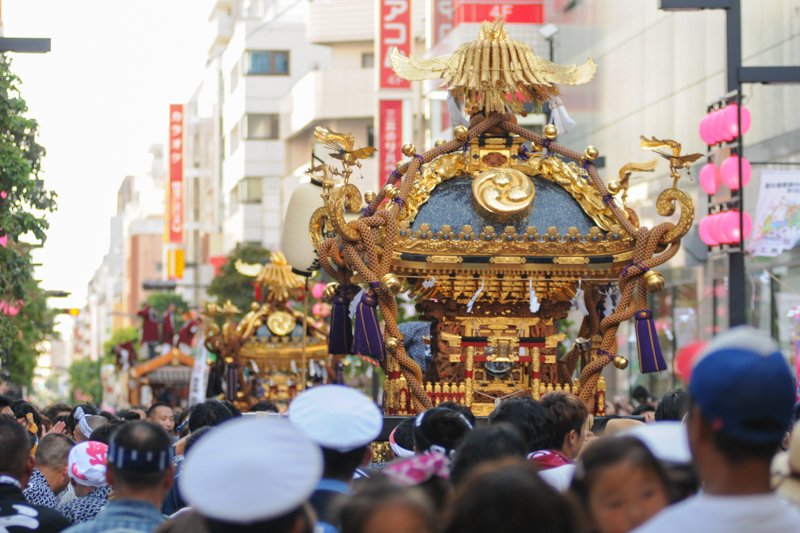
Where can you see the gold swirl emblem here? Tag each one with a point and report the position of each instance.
(280, 323)
(503, 192)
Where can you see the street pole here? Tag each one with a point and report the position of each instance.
(735, 75)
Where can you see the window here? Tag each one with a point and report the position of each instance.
(262, 126)
(267, 63)
(249, 190)
(367, 60)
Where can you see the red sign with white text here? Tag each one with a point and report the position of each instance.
(175, 200)
(513, 11)
(390, 135)
(394, 31)
(441, 20)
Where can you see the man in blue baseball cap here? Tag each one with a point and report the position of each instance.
(742, 394)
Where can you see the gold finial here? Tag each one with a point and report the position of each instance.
(408, 150)
(439, 142)
(391, 283)
(461, 133)
(591, 153)
(654, 281)
(369, 196)
(392, 345)
(550, 132)
(613, 187)
(390, 191)
(494, 72)
(620, 362)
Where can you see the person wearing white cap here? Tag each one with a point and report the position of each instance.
(342, 422)
(742, 394)
(86, 467)
(248, 474)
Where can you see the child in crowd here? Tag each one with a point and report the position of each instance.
(620, 484)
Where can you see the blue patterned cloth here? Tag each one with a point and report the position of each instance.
(85, 508)
(38, 491)
(128, 515)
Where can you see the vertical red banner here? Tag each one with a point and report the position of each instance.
(175, 196)
(441, 20)
(394, 31)
(390, 134)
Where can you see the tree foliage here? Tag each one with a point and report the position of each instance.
(120, 336)
(23, 205)
(84, 380)
(161, 300)
(230, 285)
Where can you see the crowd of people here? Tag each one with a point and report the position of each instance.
(720, 457)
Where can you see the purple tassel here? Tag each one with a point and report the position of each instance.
(340, 336)
(650, 357)
(368, 337)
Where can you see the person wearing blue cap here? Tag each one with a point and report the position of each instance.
(742, 395)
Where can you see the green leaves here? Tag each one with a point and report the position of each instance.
(230, 285)
(23, 205)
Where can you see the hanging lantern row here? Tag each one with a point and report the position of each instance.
(712, 176)
(723, 228)
(722, 125)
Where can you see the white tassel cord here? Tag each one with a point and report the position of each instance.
(578, 300)
(533, 301)
(559, 115)
(474, 297)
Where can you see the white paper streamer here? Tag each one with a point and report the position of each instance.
(354, 303)
(578, 300)
(474, 298)
(608, 303)
(457, 117)
(429, 283)
(533, 301)
(559, 115)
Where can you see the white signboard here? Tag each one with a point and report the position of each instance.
(776, 227)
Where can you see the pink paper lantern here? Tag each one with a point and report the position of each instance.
(705, 231)
(4, 240)
(717, 228)
(320, 309)
(318, 290)
(705, 130)
(730, 121)
(732, 226)
(729, 170)
(710, 178)
(716, 126)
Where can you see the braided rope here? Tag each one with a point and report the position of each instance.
(341, 258)
(647, 254)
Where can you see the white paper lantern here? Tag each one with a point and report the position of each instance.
(295, 241)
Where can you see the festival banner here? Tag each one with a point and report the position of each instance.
(394, 31)
(175, 196)
(390, 133)
(199, 376)
(776, 227)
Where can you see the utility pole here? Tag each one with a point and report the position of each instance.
(735, 76)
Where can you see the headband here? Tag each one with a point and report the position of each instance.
(424, 443)
(132, 459)
(398, 450)
(83, 424)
